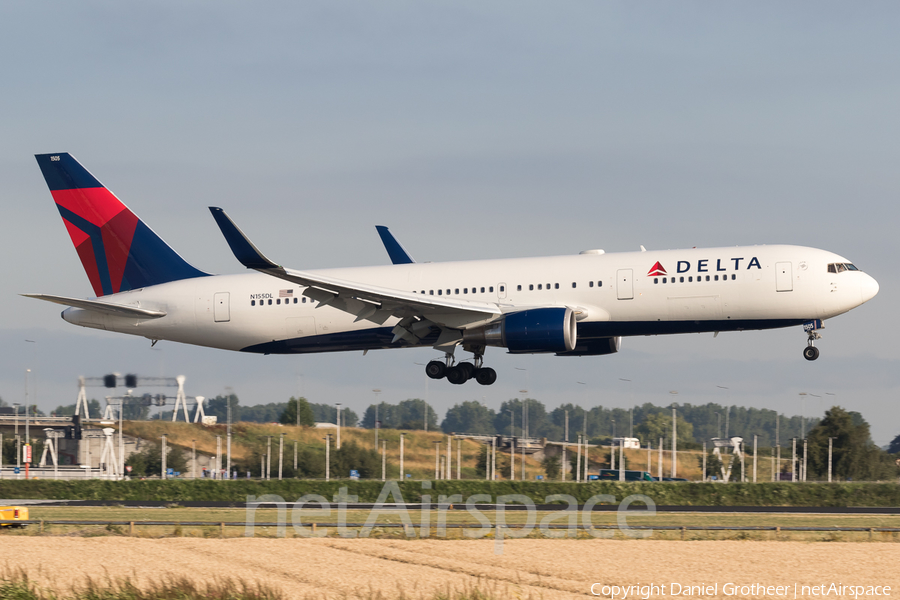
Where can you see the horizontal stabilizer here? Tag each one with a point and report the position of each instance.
(119, 310)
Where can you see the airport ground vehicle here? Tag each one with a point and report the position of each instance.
(13, 513)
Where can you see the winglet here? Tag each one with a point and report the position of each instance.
(398, 254)
(241, 246)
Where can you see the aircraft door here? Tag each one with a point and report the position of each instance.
(784, 281)
(624, 284)
(221, 308)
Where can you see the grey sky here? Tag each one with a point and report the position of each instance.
(512, 129)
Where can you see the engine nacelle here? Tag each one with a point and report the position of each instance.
(599, 347)
(529, 331)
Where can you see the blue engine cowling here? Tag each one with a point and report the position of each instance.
(540, 330)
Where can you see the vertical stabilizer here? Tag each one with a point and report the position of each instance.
(118, 251)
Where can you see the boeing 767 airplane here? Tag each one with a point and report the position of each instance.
(581, 305)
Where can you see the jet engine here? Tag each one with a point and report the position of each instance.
(529, 331)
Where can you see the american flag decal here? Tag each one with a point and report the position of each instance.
(285, 293)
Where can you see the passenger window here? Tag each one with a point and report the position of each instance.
(431, 292)
(253, 303)
(304, 299)
(457, 291)
(599, 284)
(690, 279)
(465, 290)
(491, 289)
(502, 288)
(482, 289)
(555, 286)
(716, 277)
(656, 280)
(448, 292)
(270, 302)
(733, 276)
(530, 287)
(539, 286)
(278, 301)
(518, 288)
(440, 292)
(707, 277)
(573, 285)
(591, 283)
(665, 279)
(681, 280)
(548, 286)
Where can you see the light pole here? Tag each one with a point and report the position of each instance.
(674, 436)
(512, 447)
(280, 456)
(376, 417)
(337, 421)
(631, 411)
(426, 396)
(830, 441)
(327, 439)
(524, 393)
(803, 396)
(437, 463)
(228, 394)
(268, 456)
(727, 410)
(27, 438)
(402, 438)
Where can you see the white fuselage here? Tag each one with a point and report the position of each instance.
(695, 290)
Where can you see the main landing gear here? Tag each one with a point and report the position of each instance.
(460, 373)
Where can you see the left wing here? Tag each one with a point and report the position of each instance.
(365, 301)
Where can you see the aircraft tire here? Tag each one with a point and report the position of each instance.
(468, 369)
(456, 375)
(486, 376)
(810, 353)
(436, 369)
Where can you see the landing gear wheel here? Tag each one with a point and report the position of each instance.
(436, 369)
(457, 375)
(810, 353)
(468, 369)
(486, 376)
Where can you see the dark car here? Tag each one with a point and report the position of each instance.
(613, 475)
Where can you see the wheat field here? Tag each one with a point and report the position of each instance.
(413, 569)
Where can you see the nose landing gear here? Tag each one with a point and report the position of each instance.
(811, 352)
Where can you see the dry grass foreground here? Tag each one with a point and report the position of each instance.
(528, 568)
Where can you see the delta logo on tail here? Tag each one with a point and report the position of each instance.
(118, 252)
(657, 269)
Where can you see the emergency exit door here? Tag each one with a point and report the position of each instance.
(784, 281)
(624, 284)
(221, 310)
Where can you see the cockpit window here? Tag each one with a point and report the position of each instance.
(840, 267)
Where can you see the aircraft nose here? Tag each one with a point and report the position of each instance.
(868, 287)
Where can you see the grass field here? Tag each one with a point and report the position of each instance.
(216, 516)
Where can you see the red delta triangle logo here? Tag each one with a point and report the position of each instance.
(657, 269)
